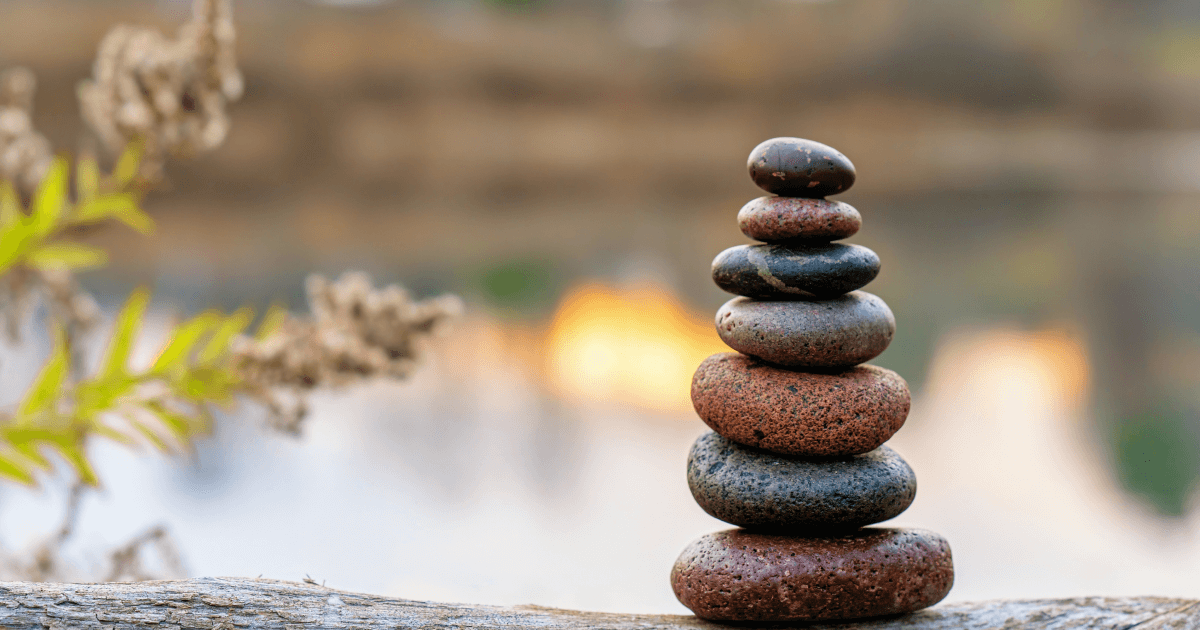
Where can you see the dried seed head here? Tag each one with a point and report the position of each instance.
(169, 93)
(25, 154)
(355, 332)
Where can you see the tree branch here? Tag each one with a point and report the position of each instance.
(228, 603)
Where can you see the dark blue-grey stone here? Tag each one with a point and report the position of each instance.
(774, 272)
(768, 492)
(795, 167)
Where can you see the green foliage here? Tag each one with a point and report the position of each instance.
(520, 285)
(1157, 457)
(31, 239)
(166, 404)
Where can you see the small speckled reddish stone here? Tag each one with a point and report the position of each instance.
(795, 167)
(775, 219)
(797, 413)
(736, 575)
(821, 334)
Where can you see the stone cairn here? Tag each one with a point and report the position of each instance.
(796, 459)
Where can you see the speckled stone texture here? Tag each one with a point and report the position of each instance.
(799, 413)
(765, 491)
(795, 167)
(736, 575)
(775, 272)
(776, 219)
(825, 334)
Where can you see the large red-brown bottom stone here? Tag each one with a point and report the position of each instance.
(736, 575)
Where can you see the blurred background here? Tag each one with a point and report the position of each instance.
(1028, 171)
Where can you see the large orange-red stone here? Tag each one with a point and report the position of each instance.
(739, 576)
(756, 404)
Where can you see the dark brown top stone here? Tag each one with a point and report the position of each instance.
(776, 219)
(798, 413)
(769, 492)
(827, 334)
(736, 575)
(795, 167)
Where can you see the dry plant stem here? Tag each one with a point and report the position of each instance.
(46, 563)
(227, 603)
(127, 560)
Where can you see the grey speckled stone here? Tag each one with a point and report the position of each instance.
(790, 271)
(761, 490)
(819, 334)
(795, 167)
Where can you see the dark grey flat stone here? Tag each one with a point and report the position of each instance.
(761, 490)
(790, 271)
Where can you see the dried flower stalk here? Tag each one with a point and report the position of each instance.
(355, 332)
(171, 94)
(25, 154)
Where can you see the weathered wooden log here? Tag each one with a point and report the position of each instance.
(229, 603)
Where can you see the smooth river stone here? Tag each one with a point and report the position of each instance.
(774, 219)
(736, 575)
(768, 492)
(816, 334)
(795, 167)
(799, 413)
(791, 271)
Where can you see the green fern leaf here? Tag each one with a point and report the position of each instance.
(120, 206)
(128, 164)
(66, 256)
(77, 458)
(50, 199)
(15, 240)
(129, 322)
(153, 437)
(87, 179)
(47, 387)
(13, 470)
(184, 339)
(230, 327)
(272, 320)
(179, 425)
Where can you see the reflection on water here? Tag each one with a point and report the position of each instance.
(638, 344)
(475, 482)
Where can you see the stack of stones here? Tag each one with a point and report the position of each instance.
(796, 459)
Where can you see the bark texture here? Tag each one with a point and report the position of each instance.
(229, 603)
